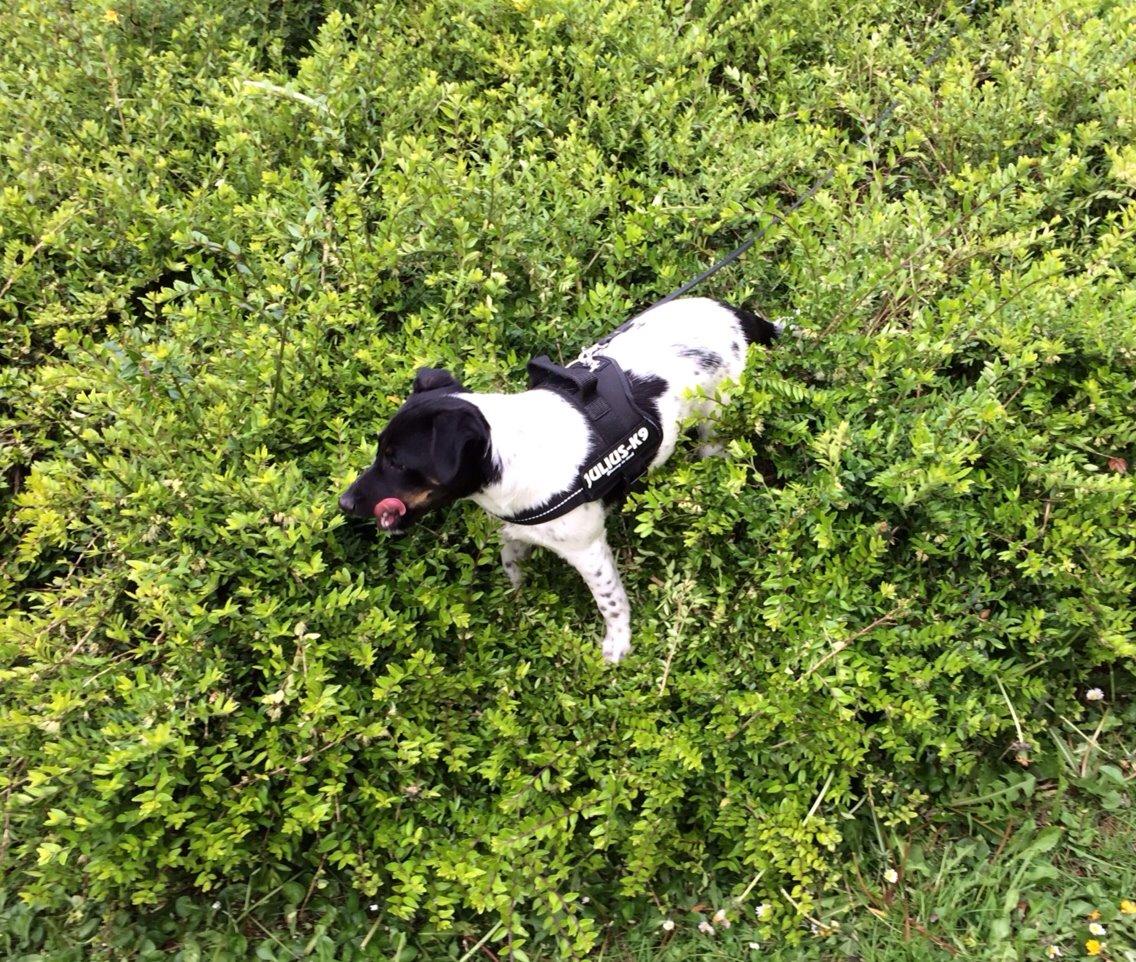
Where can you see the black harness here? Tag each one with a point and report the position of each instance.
(626, 438)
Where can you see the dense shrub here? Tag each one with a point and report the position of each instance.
(224, 253)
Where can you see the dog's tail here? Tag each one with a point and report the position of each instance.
(757, 328)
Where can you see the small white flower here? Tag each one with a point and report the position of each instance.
(668, 925)
(216, 905)
(720, 919)
(705, 927)
(753, 946)
(762, 910)
(374, 906)
(1094, 694)
(1097, 929)
(1053, 951)
(585, 900)
(891, 876)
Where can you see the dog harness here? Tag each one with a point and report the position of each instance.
(625, 437)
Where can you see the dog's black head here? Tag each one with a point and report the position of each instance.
(434, 450)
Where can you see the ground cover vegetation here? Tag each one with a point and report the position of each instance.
(230, 232)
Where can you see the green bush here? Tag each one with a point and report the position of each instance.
(230, 233)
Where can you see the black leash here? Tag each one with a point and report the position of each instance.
(873, 128)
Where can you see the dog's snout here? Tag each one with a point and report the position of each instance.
(346, 502)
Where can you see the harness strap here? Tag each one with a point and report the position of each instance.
(625, 437)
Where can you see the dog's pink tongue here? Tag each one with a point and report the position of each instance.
(388, 511)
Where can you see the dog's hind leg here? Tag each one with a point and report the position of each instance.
(707, 427)
(512, 554)
(710, 446)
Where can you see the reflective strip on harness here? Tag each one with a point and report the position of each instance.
(626, 438)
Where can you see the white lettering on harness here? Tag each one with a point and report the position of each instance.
(616, 458)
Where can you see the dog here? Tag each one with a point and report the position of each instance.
(517, 454)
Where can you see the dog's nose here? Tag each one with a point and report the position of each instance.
(346, 502)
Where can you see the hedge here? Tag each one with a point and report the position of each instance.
(230, 233)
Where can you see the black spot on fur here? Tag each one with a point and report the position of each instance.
(646, 389)
(755, 328)
(707, 361)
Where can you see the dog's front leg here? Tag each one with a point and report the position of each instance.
(597, 567)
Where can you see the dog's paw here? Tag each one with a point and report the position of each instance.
(615, 648)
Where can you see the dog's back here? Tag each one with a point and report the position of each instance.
(680, 351)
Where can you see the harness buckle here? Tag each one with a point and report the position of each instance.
(581, 381)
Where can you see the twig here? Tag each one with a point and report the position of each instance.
(1002, 842)
(82, 442)
(1013, 714)
(797, 906)
(278, 374)
(276, 90)
(258, 924)
(6, 835)
(312, 887)
(485, 938)
(370, 933)
(50, 232)
(1092, 743)
(839, 646)
(820, 797)
(112, 80)
(749, 888)
(1088, 740)
(679, 620)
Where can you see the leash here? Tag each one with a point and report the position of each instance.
(875, 127)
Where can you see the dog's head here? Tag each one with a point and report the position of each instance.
(434, 450)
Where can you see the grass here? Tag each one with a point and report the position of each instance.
(1019, 871)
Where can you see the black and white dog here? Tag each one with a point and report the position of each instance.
(514, 453)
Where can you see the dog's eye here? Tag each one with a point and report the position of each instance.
(393, 461)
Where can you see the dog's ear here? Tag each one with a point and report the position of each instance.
(434, 379)
(458, 448)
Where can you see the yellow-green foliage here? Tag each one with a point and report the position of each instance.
(225, 250)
